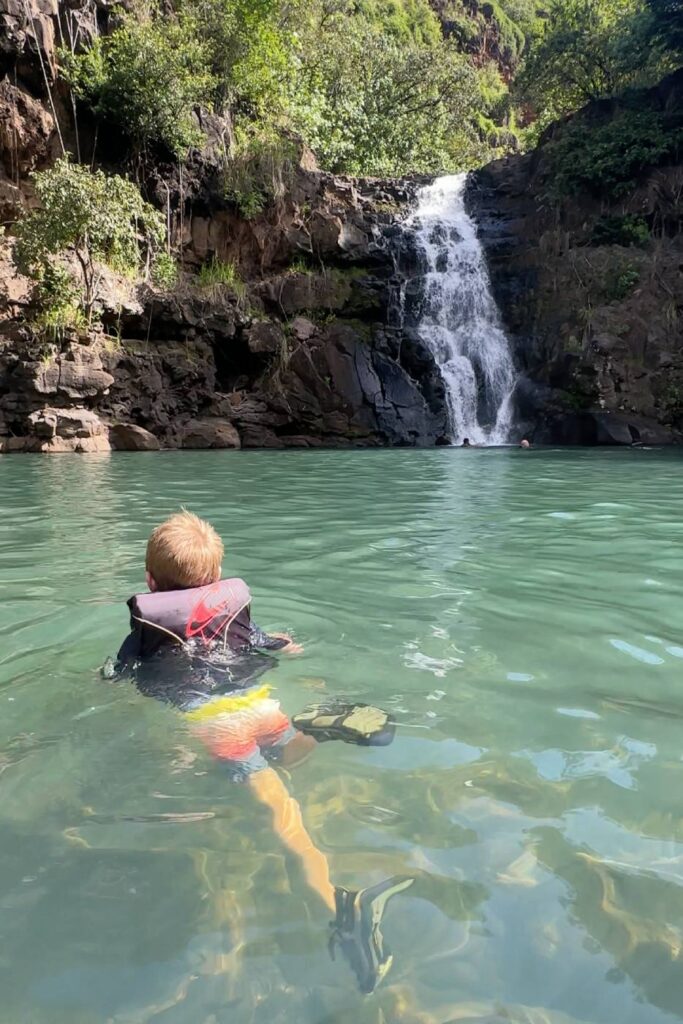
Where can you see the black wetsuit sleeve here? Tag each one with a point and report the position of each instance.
(123, 666)
(264, 642)
(129, 651)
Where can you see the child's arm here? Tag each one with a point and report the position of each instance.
(273, 641)
(129, 652)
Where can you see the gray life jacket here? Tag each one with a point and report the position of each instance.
(218, 612)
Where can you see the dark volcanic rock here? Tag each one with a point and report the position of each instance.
(209, 433)
(295, 352)
(127, 437)
(596, 328)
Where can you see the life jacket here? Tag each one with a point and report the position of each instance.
(217, 612)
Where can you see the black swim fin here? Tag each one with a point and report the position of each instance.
(362, 724)
(356, 929)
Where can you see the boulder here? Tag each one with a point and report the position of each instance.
(302, 328)
(293, 293)
(260, 437)
(128, 437)
(264, 338)
(67, 424)
(82, 445)
(210, 432)
(19, 444)
(325, 229)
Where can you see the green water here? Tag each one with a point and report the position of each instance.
(521, 615)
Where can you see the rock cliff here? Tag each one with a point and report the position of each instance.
(299, 351)
(591, 289)
(307, 346)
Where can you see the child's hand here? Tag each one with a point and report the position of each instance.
(292, 647)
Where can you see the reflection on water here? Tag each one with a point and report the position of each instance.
(519, 613)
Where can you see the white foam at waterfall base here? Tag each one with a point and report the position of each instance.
(459, 320)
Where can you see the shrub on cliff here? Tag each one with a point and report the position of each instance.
(98, 218)
(587, 50)
(147, 78)
(609, 159)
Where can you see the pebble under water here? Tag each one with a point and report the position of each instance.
(521, 615)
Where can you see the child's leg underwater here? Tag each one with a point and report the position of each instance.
(247, 741)
(270, 790)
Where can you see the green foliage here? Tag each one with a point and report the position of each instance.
(666, 26)
(248, 49)
(587, 50)
(164, 270)
(221, 274)
(373, 86)
(512, 40)
(368, 105)
(97, 217)
(147, 78)
(370, 85)
(57, 307)
(259, 171)
(626, 230)
(406, 21)
(671, 400)
(302, 265)
(502, 26)
(608, 159)
(624, 283)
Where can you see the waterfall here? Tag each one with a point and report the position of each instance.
(458, 319)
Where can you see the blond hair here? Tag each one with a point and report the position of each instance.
(184, 551)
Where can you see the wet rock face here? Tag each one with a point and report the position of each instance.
(596, 328)
(28, 142)
(193, 371)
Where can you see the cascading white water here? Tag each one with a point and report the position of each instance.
(459, 320)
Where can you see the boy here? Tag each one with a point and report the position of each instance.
(193, 644)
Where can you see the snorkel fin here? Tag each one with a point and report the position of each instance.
(356, 930)
(362, 724)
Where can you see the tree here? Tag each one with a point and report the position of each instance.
(587, 50)
(147, 78)
(667, 23)
(247, 47)
(99, 218)
(368, 104)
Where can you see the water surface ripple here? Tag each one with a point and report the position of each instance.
(521, 615)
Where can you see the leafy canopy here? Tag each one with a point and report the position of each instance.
(587, 50)
(373, 86)
(147, 78)
(368, 104)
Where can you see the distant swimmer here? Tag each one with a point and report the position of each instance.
(524, 443)
(466, 443)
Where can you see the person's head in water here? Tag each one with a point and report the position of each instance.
(524, 443)
(466, 442)
(183, 552)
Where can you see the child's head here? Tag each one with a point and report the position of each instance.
(184, 551)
